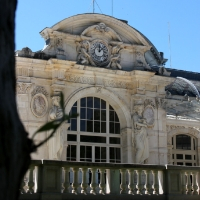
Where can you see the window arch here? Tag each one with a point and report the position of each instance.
(184, 150)
(94, 136)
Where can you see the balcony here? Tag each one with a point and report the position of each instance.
(56, 180)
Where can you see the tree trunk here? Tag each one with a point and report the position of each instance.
(15, 147)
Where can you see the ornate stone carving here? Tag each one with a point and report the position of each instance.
(140, 60)
(117, 84)
(55, 111)
(39, 89)
(83, 53)
(98, 89)
(23, 88)
(39, 105)
(115, 58)
(149, 102)
(79, 79)
(148, 114)
(160, 103)
(140, 133)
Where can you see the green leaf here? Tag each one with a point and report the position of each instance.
(50, 125)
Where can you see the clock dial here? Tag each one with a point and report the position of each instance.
(99, 52)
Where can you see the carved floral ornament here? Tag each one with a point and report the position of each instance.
(23, 88)
(39, 103)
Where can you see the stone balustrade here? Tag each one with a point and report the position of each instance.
(47, 179)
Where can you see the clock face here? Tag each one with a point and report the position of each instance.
(99, 52)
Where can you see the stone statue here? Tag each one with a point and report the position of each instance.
(57, 140)
(140, 130)
(56, 111)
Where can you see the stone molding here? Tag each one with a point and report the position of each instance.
(174, 130)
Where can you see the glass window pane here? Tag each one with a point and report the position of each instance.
(118, 154)
(179, 156)
(73, 125)
(83, 125)
(71, 137)
(96, 127)
(112, 114)
(114, 140)
(112, 153)
(75, 104)
(90, 126)
(103, 153)
(97, 152)
(96, 114)
(74, 110)
(93, 139)
(112, 124)
(103, 127)
(110, 107)
(83, 113)
(83, 102)
(117, 128)
(90, 102)
(73, 152)
(103, 104)
(88, 152)
(188, 157)
(116, 117)
(103, 115)
(183, 142)
(188, 164)
(90, 114)
(96, 102)
(82, 151)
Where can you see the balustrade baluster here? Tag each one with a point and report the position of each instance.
(194, 183)
(131, 185)
(30, 181)
(84, 183)
(93, 184)
(123, 181)
(188, 185)
(183, 183)
(66, 184)
(139, 181)
(102, 184)
(75, 184)
(155, 182)
(23, 183)
(148, 186)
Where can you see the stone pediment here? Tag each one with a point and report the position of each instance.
(99, 41)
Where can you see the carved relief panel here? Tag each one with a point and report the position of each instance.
(39, 103)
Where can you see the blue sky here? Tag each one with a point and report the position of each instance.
(150, 17)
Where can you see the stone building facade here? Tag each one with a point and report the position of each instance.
(131, 108)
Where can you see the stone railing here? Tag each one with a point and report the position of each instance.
(47, 179)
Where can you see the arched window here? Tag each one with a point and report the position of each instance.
(94, 136)
(184, 150)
